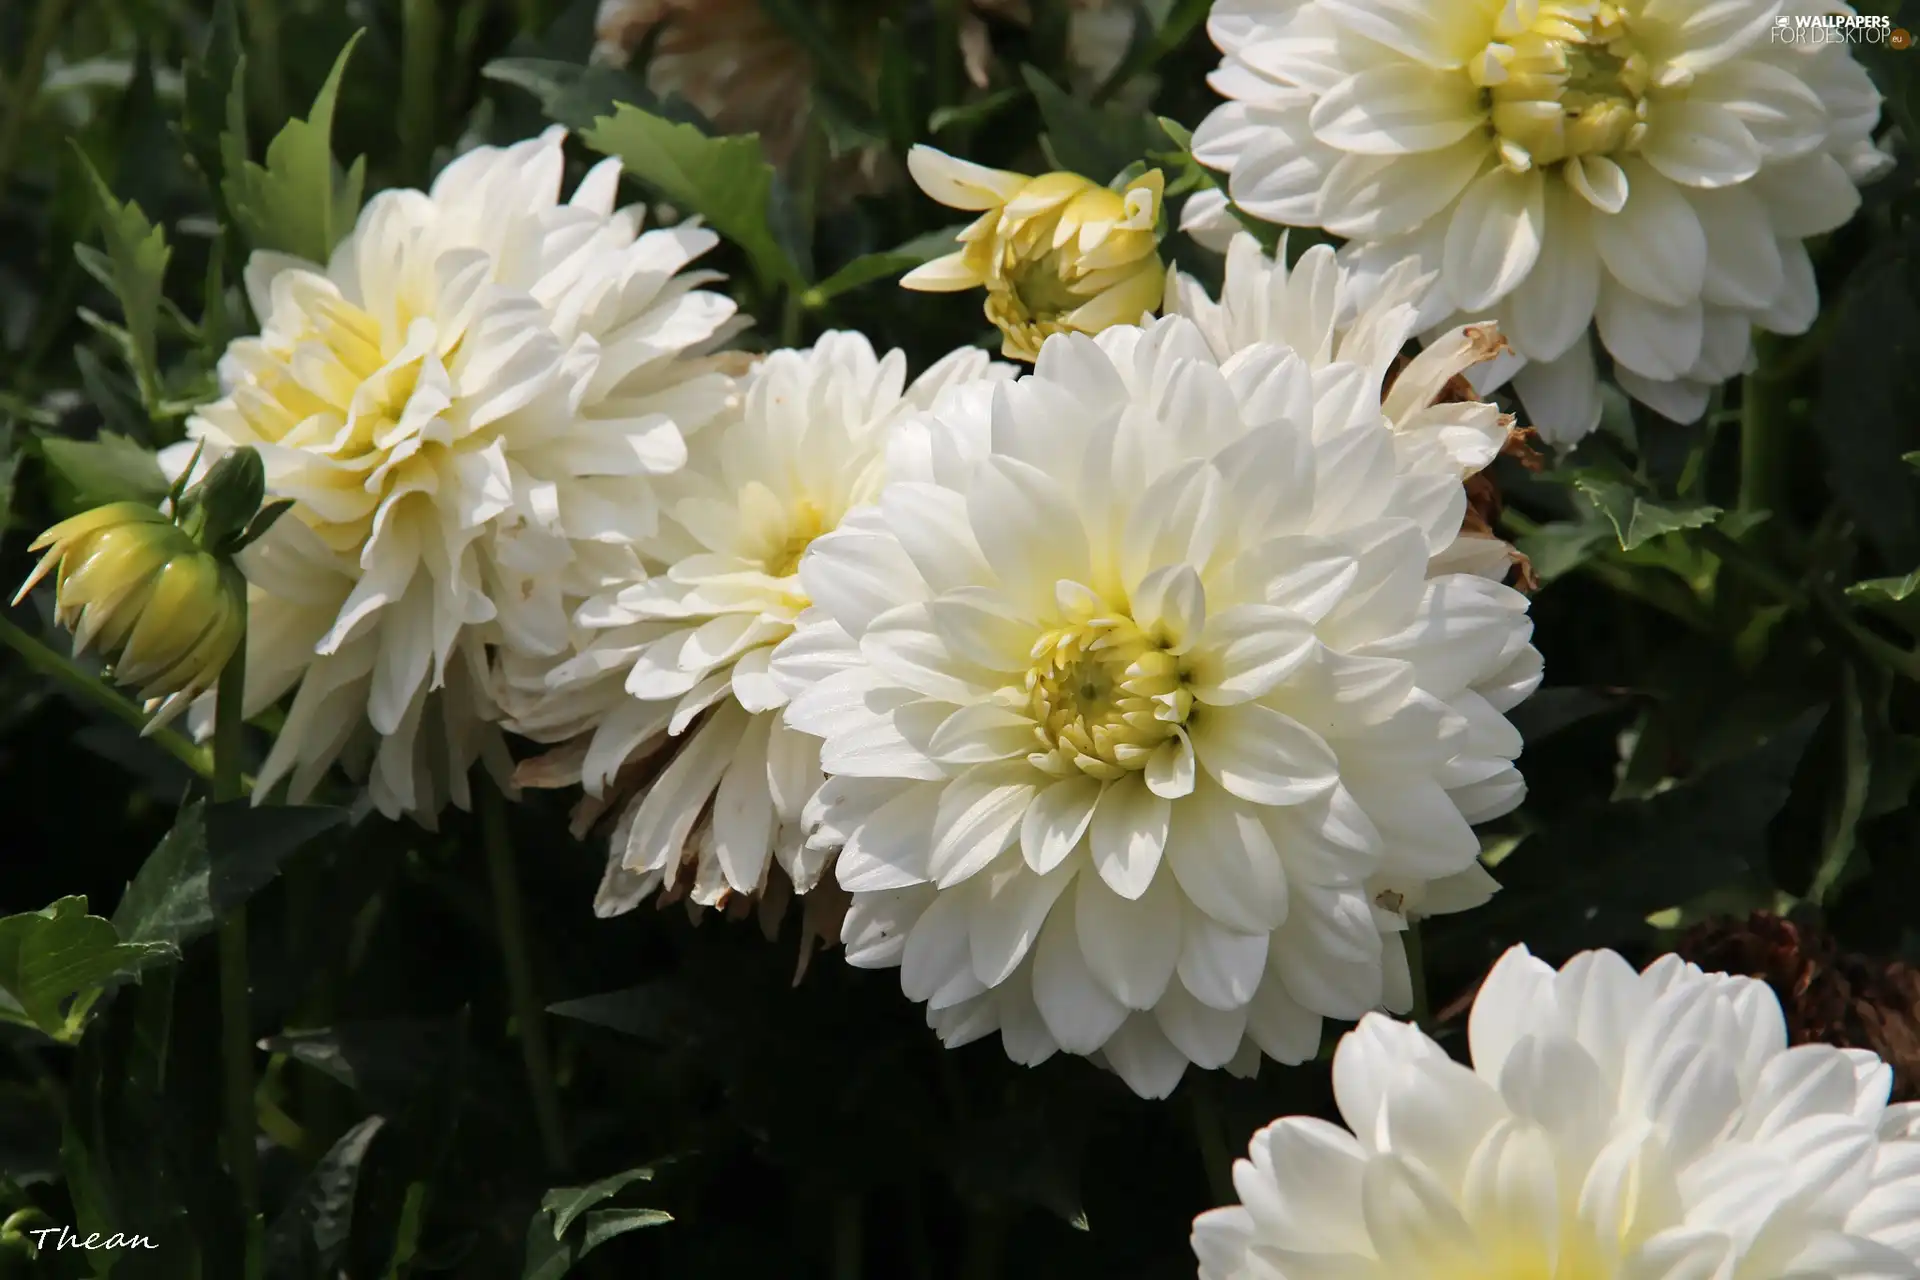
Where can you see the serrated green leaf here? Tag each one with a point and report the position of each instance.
(878, 266)
(1636, 520)
(213, 860)
(300, 202)
(137, 255)
(725, 180)
(111, 468)
(61, 954)
(1557, 549)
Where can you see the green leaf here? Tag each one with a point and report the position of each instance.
(138, 253)
(215, 858)
(1886, 588)
(1634, 518)
(300, 202)
(61, 953)
(1863, 415)
(552, 1252)
(109, 469)
(568, 1203)
(1594, 875)
(878, 266)
(1555, 550)
(308, 1236)
(9, 468)
(209, 83)
(603, 1225)
(570, 94)
(727, 180)
(971, 114)
(1094, 142)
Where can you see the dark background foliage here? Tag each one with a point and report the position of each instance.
(1729, 725)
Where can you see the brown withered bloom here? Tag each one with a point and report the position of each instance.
(1829, 996)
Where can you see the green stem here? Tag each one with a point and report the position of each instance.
(1736, 556)
(1214, 1155)
(27, 81)
(528, 1015)
(986, 1232)
(847, 1246)
(90, 689)
(1417, 973)
(1763, 439)
(236, 1018)
(263, 61)
(420, 49)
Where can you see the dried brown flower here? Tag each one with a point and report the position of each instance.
(1829, 996)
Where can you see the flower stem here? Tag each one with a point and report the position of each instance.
(236, 1019)
(263, 58)
(420, 49)
(847, 1247)
(1417, 973)
(90, 689)
(1213, 1147)
(528, 1015)
(1763, 438)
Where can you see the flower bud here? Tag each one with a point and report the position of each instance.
(1058, 253)
(163, 613)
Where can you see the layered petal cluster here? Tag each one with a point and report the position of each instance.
(1319, 311)
(1056, 254)
(468, 405)
(665, 686)
(1146, 725)
(1613, 1126)
(1642, 170)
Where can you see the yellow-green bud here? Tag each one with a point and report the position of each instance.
(1056, 254)
(164, 614)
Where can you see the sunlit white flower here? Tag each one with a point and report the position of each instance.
(1145, 725)
(667, 678)
(1645, 169)
(1324, 316)
(1613, 1126)
(468, 405)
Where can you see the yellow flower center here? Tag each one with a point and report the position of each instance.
(1103, 694)
(807, 523)
(1565, 82)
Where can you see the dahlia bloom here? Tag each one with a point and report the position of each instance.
(1650, 1126)
(1645, 169)
(1056, 254)
(1145, 726)
(468, 405)
(666, 687)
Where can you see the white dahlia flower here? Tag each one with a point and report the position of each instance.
(1645, 168)
(468, 405)
(1613, 1126)
(665, 690)
(1145, 725)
